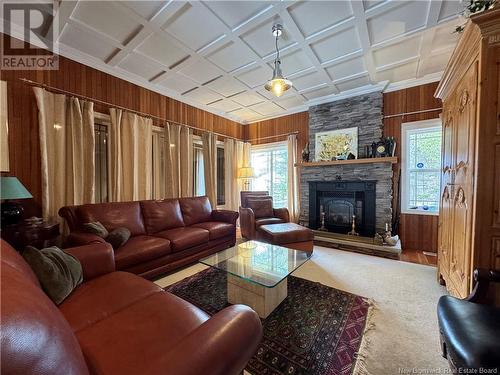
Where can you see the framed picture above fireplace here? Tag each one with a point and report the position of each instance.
(340, 144)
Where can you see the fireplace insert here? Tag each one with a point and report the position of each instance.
(343, 202)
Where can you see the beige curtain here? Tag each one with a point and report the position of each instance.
(4, 128)
(293, 182)
(158, 166)
(130, 156)
(66, 127)
(209, 143)
(178, 149)
(236, 155)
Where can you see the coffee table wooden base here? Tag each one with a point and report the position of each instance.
(263, 300)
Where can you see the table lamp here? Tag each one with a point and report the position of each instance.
(11, 188)
(246, 173)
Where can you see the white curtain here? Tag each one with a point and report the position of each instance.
(4, 128)
(209, 143)
(293, 182)
(66, 128)
(130, 156)
(236, 155)
(178, 150)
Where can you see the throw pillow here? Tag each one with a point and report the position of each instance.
(262, 207)
(118, 237)
(59, 273)
(96, 228)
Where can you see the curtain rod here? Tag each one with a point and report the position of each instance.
(414, 113)
(51, 88)
(273, 136)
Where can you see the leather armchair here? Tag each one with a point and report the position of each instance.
(249, 223)
(469, 328)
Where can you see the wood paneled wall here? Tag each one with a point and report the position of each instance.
(418, 232)
(297, 122)
(83, 80)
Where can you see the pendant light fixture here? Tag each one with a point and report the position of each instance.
(278, 84)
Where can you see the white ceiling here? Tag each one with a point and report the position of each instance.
(217, 55)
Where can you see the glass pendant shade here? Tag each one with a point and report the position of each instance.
(278, 84)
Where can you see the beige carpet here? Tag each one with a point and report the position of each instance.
(404, 338)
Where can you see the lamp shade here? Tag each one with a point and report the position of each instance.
(245, 172)
(11, 188)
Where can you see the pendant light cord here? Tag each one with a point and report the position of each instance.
(277, 50)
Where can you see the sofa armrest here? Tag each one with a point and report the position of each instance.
(97, 259)
(247, 223)
(282, 213)
(221, 346)
(82, 238)
(225, 216)
(483, 278)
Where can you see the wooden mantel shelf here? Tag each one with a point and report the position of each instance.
(392, 160)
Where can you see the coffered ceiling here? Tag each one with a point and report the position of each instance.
(217, 55)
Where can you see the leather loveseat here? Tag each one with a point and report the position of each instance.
(165, 234)
(115, 323)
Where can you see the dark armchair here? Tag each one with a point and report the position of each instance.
(257, 209)
(470, 328)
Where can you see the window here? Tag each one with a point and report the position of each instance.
(270, 165)
(221, 185)
(199, 172)
(101, 158)
(421, 167)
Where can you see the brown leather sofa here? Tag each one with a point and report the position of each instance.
(115, 323)
(165, 234)
(251, 219)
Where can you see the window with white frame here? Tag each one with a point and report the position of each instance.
(199, 171)
(101, 123)
(270, 166)
(421, 167)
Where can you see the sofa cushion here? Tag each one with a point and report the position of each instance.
(114, 215)
(161, 215)
(267, 220)
(195, 210)
(216, 229)
(140, 249)
(103, 296)
(118, 237)
(185, 237)
(261, 207)
(135, 339)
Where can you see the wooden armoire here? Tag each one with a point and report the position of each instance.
(469, 218)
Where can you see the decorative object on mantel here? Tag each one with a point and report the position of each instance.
(337, 144)
(278, 84)
(386, 147)
(306, 153)
(475, 6)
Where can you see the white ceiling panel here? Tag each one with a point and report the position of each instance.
(257, 76)
(314, 16)
(346, 68)
(399, 73)
(406, 16)
(178, 83)
(232, 56)
(202, 95)
(226, 86)
(219, 54)
(137, 64)
(162, 50)
(106, 18)
(262, 41)
(234, 13)
(201, 71)
(337, 45)
(87, 42)
(247, 99)
(397, 52)
(195, 26)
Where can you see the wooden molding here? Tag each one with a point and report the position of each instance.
(392, 160)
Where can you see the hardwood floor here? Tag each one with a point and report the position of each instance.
(418, 256)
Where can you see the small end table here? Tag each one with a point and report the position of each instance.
(21, 235)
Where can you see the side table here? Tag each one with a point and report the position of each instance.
(21, 235)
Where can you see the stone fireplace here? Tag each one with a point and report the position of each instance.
(362, 190)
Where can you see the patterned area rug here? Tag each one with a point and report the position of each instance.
(316, 330)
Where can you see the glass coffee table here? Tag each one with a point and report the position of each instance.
(257, 273)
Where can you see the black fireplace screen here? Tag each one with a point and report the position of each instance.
(341, 203)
